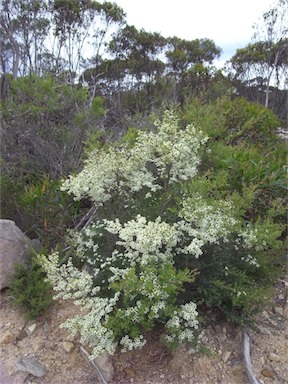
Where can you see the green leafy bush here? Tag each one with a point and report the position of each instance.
(233, 121)
(39, 208)
(165, 237)
(249, 122)
(44, 124)
(29, 290)
(250, 167)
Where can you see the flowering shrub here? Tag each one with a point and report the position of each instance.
(171, 155)
(132, 271)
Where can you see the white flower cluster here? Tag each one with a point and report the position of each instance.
(170, 153)
(78, 286)
(66, 279)
(151, 286)
(183, 324)
(98, 178)
(205, 223)
(91, 325)
(251, 260)
(251, 238)
(129, 344)
(133, 312)
(144, 241)
(84, 240)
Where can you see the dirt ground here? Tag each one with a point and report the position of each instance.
(154, 364)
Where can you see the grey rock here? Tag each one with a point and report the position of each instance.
(273, 357)
(279, 311)
(68, 346)
(32, 328)
(226, 356)
(105, 363)
(14, 248)
(18, 378)
(32, 366)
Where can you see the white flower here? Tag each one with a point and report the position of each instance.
(172, 152)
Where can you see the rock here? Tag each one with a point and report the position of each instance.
(226, 356)
(129, 372)
(267, 373)
(32, 366)
(262, 360)
(21, 335)
(32, 328)
(265, 315)
(279, 311)
(14, 248)
(105, 363)
(70, 338)
(7, 337)
(273, 357)
(68, 346)
(18, 378)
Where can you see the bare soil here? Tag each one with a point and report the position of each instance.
(154, 364)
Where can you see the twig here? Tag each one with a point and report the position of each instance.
(277, 375)
(247, 359)
(99, 373)
(88, 216)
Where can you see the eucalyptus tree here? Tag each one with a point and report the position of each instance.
(54, 36)
(80, 29)
(185, 57)
(263, 62)
(140, 50)
(127, 79)
(24, 28)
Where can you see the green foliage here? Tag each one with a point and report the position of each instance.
(29, 289)
(137, 288)
(233, 121)
(39, 208)
(233, 285)
(44, 125)
(251, 167)
(248, 122)
(208, 116)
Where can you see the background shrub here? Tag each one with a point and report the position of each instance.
(29, 289)
(39, 208)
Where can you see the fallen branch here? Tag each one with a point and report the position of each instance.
(86, 218)
(98, 371)
(247, 359)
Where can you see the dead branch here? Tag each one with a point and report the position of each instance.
(247, 359)
(87, 358)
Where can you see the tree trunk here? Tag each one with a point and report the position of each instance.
(16, 51)
(269, 78)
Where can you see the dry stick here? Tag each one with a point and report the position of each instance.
(247, 359)
(86, 356)
(87, 216)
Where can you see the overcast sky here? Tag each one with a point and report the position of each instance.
(227, 22)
